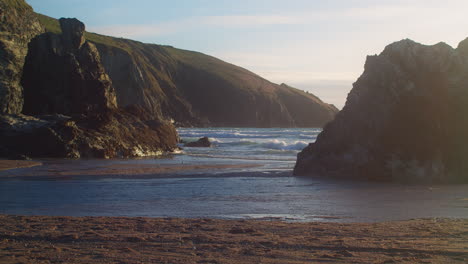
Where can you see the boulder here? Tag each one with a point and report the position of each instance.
(404, 119)
(203, 142)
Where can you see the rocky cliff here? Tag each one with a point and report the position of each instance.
(72, 109)
(63, 74)
(405, 119)
(18, 25)
(68, 93)
(196, 89)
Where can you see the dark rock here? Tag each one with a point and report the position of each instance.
(72, 33)
(404, 119)
(120, 135)
(203, 142)
(63, 74)
(18, 25)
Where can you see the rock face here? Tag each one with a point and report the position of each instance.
(405, 119)
(18, 25)
(199, 90)
(63, 74)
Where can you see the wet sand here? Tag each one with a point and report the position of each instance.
(40, 239)
(16, 164)
(130, 170)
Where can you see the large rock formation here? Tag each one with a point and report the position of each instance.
(63, 74)
(72, 109)
(195, 89)
(405, 119)
(18, 25)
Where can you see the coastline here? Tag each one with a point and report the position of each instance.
(107, 169)
(17, 164)
(45, 239)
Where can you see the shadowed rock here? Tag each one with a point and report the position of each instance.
(72, 32)
(203, 142)
(63, 74)
(404, 119)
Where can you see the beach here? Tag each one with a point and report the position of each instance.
(45, 239)
(236, 202)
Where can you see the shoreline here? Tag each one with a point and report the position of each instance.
(106, 170)
(17, 164)
(44, 239)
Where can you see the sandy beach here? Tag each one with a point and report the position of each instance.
(44, 239)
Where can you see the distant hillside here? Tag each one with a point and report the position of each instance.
(196, 89)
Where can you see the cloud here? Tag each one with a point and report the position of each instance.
(424, 13)
(187, 24)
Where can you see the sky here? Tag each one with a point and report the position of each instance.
(314, 45)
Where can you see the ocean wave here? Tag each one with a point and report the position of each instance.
(283, 145)
(249, 134)
(200, 155)
(222, 135)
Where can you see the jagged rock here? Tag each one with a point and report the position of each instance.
(404, 119)
(18, 25)
(203, 142)
(63, 74)
(72, 33)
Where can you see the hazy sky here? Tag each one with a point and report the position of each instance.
(314, 45)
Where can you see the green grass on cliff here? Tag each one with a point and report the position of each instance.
(166, 68)
(226, 71)
(17, 4)
(50, 24)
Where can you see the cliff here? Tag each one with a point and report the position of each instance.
(65, 92)
(196, 89)
(405, 119)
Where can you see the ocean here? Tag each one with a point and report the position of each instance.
(253, 181)
(273, 148)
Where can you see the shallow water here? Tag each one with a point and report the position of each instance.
(268, 191)
(237, 195)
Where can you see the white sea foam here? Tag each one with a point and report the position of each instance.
(250, 143)
(283, 145)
